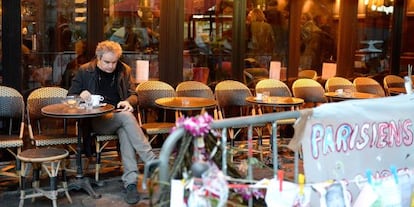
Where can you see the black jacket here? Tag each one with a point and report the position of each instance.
(87, 77)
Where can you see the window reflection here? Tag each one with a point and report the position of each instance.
(208, 30)
(134, 24)
(49, 32)
(318, 35)
(372, 52)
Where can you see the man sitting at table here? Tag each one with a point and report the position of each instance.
(111, 78)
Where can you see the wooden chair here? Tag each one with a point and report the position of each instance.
(310, 91)
(392, 81)
(334, 83)
(11, 109)
(148, 92)
(368, 85)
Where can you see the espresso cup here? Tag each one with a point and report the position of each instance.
(96, 99)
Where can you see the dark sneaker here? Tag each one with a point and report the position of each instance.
(132, 196)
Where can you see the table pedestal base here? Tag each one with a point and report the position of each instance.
(83, 183)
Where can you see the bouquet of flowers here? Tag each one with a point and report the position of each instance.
(196, 162)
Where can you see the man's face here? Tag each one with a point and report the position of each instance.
(107, 62)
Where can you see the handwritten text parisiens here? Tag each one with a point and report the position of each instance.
(346, 137)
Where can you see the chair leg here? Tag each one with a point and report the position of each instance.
(23, 183)
(36, 177)
(98, 160)
(65, 185)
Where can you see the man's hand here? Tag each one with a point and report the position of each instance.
(85, 95)
(125, 106)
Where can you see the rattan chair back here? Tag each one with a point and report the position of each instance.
(149, 91)
(49, 131)
(311, 91)
(368, 85)
(393, 81)
(335, 83)
(275, 87)
(194, 89)
(12, 110)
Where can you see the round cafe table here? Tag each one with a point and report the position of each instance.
(185, 103)
(65, 112)
(349, 95)
(276, 101)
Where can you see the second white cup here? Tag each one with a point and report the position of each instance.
(96, 99)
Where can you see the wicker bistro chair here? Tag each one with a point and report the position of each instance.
(310, 91)
(11, 109)
(231, 100)
(194, 89)
(148, 92)
(49, 130)
(274, 87)
(392, 81)
(334, 83)
(368, 85)
(280, 89)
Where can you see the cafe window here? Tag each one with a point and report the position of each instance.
(318, 35)
(374, 36)
(207, 40)
(267, 32)
(208, 36)
(135, 26)
(50, 31)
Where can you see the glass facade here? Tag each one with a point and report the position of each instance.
(135, 25)
(53, 33)
(50, 32)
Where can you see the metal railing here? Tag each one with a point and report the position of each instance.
(223, 125)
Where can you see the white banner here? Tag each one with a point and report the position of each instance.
(345, 140)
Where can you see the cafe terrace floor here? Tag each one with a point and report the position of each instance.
(112, 192)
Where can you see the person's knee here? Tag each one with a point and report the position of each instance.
(127, 117)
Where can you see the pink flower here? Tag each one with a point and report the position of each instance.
(197, 126)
